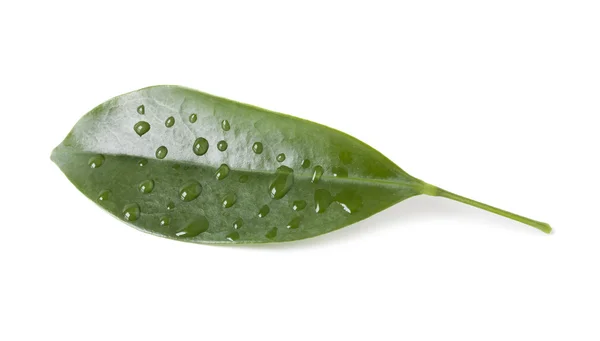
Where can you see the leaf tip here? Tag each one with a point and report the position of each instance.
(53, 154)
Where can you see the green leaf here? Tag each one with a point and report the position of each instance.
(186, 165)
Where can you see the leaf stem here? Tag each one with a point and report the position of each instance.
(435, 191)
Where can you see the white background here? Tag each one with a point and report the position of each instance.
(495, 100)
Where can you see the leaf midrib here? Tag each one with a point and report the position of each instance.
(415, 185)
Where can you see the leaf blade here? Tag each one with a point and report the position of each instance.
(109, 130)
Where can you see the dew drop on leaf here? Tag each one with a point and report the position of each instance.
(161, 152)
(104, 195)
(317, 174)
(283, 182)
(193, 228)
(170, 206)
(294, 223)
(322, 200)
(238, 223)
(339, 172)
(257, 147)
(225, 125)
(280, 157)
(96, 161)
(170, 122)
(233, 236)
(131, 212)
(229, 200)
(146, 186)
(350, 200)
(141, 127)
(142, 162)
(141, 109)
(200, 146)
(298, 205)
(190, 191)
(263, 211)
(222, 146)
(165, 221)
(243, 178)
(193, 118)
(305, 163)
(222, 172)
(272, 233)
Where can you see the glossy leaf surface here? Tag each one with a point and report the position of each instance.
(190, 166)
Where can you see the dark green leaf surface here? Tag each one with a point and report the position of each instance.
(186, 165)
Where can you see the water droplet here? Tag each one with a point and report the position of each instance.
(193, 118)
(322, 200)
(170, 122)
(298, 205)
(305, 163)
(104, 195)
(193, 228)
(339, 172)
(229, 200)
(142, 162)
(161, 152)
(263, 211)
(281, 157)
(284, 179)
(243, 178)
(272, 233)
(222, 172)
(200, 146)
(317, 174)
(96, 161)
(222, 146)
(147, 186)
(346, 157)
(233, 236)
(294, 223)
(170, 206)
(349, 200)
(238, 223)
(131, 212)
(225, 125)
(176, 166)
(165, 221)
(141, 127)
(190, 191)
(257, 147)
(141, 109)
